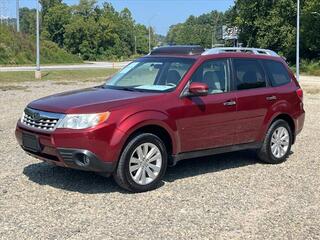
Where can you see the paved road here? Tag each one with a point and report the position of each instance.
(87, 65)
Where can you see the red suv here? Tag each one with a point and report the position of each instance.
(176, 103)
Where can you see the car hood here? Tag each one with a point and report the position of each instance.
(89, 100)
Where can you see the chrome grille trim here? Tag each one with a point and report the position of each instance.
(45, 121)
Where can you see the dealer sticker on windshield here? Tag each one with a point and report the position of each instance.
(154, 87)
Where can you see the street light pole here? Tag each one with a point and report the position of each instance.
(212, 38)
(135, 45)
(18, 15)
(150, 32)
(38, 72)
(149, 39)
(298, 41)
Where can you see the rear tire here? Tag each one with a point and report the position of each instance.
(142, 163)
(277, 143)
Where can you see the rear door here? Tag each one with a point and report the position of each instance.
(209, 121)
(254, 96)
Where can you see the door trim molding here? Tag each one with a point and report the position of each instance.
(213, 151)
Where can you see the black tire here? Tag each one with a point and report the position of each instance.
(122, 174)
(265, 153)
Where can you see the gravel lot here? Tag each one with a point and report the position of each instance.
(229, 196)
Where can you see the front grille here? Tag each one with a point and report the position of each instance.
(40, 120)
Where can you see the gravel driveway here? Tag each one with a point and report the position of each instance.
(229, 196)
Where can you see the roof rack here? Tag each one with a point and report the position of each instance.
(178, 49)
(257, 51)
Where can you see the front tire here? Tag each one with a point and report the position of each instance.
(277, 143)
(142, 164)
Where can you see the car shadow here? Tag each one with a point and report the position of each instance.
(91, 183)
(216, 163)
(70, 179)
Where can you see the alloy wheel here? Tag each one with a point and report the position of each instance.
(280, 142)
(145, 163)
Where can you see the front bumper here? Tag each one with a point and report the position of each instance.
(84, 151)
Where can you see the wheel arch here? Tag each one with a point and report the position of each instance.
(157, 130)
(289, 120)
(154, 122)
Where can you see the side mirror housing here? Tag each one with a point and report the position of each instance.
(198, 89)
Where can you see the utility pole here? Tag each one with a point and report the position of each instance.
(212, 38)
(150, 32)
(4, 12)
(1, 10)
(135, 45)
(38, 72)
(149, 39)
(298, 41)
(18, 15)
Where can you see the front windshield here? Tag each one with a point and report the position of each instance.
(151, 74)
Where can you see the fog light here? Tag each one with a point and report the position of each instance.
(82, 160)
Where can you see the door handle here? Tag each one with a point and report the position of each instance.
(230, 103)
(271, 98)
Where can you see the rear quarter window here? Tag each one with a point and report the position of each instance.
(278, 73)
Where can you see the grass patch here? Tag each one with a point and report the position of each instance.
(11, 87)
(59, 75)
(310, 68)
(19, 48)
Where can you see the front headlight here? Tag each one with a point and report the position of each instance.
(82, 121)
(22, 116)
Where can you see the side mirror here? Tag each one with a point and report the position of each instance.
(198, 89)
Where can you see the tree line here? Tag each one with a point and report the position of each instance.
(262, 23)
(88, 30)
(96, 32)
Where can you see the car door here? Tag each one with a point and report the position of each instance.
(208, 121)
(254, 97)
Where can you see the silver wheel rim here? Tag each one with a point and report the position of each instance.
(145, 163)
(280, 142)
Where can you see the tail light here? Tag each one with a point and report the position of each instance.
(299, 92)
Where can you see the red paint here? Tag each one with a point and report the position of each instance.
(193, 123)
(199, 88)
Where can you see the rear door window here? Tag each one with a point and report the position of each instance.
(249, 74)
(278, 74)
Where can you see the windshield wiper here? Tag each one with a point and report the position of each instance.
(131, 89)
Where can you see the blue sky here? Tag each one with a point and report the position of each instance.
(160, 13)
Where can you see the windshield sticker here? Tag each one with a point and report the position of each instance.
(154, 87)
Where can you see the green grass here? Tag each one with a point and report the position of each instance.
(19, 48)
(96, 75)
(310, 68)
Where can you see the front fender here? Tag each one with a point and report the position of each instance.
(150, 117)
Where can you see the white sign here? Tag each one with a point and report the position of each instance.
(229, 33)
